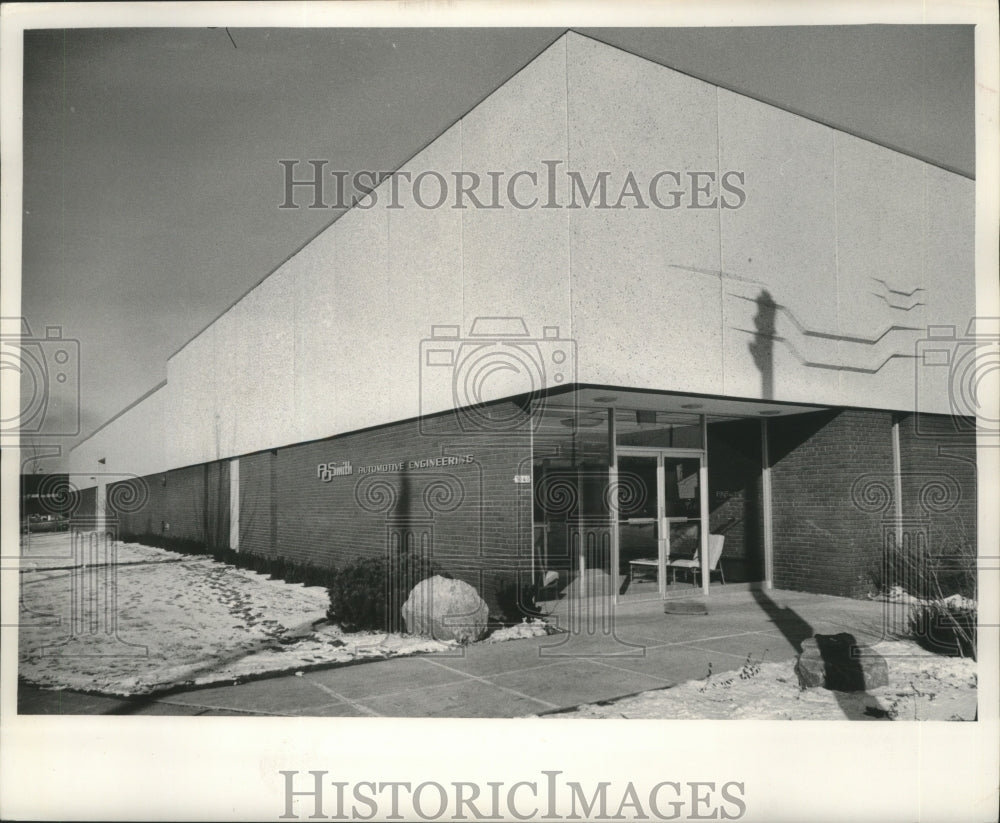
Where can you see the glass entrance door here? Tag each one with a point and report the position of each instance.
(658, 519)
(682, 510)
(640, 525)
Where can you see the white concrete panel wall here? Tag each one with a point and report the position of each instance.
(191, 376)
(881, 245)
(425, 271)
(358, 352)
(672, 300)
(949, 253)
(268, 416)
(131, 444)
(319, 323)
(231, 390)
(661, 299)
(779, 255)
(646, 290)
(515, 260)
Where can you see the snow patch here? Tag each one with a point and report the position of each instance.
(174, 620)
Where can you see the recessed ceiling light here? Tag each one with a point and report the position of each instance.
(692, 406)
(605, 399)
(769, 413)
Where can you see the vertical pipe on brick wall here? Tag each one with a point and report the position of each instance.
(273, 499)
(533, 409)
(897, 479)
(234, 504)
(703, 505)
(765, 478)
(101, 504)
(613, 495)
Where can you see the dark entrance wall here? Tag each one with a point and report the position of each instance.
(735, 497)
(834, 489)
(824, 540)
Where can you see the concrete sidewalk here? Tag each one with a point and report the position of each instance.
(633, 649)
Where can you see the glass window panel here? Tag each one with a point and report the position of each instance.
(682, 495)
(636, 487)
(662, 430)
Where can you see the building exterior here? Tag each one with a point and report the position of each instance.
(612, 311)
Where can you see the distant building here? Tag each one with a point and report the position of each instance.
(43, 496)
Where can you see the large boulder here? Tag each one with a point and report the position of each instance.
(446, 609)
(839, 663)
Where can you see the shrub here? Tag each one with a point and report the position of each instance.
(945, 628)
(944, 584)
(368, 593)
(515, 601)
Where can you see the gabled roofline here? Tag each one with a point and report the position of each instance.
(782, 107)
(467, 112)
(337, 217)
(483, 99)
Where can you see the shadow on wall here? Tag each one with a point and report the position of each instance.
(762, 346)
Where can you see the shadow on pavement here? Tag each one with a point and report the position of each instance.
(796, 629)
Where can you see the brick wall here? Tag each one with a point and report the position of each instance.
(832, 497)
(189, 504)
(470, 517)
(140, 505)
(833, 494)
(939, 494)
(823, 540)
(257, 525)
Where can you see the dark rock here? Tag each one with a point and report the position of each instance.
(839, 663)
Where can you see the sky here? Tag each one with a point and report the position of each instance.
(151, 178)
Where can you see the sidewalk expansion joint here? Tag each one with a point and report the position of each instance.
(352, 703)
(632, 672)
(488, 682)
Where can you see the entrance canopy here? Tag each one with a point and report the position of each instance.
(641, 494)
